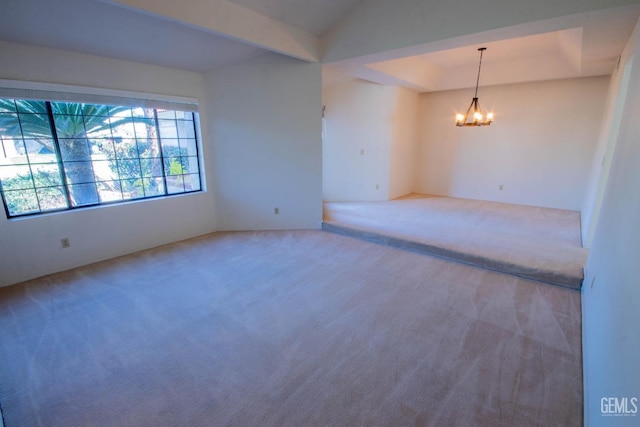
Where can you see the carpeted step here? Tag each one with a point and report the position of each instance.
(549, 275)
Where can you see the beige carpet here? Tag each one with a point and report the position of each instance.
(536, 243)
(288, 328)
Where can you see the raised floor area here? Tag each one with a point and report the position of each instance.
(535, 243)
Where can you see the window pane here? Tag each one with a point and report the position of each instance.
(69, 126)
(103, 170)
(165, 114)
(103, 147)
(148, 147)
(46, 175)
(153, 186)
(7, 105)
(185, 129)
(151, 167)
(192, 182)
(83, 194)
(95, 110)
(97, 146)
(75, 149)
(141, 112)
(122, 127)
(168, 129)
(190, 146)
(175, 184)
(15, 177)
(184, 115)
(175, 166)
(109, 191)
(4, 151)
(170, 148)
(98, 130)
(79, 172)
(15, 152)
(132, 188)
(119, 111)
(191, 164)
(22, 202)
(10, 126)
(127, 149)
(29, 106)
(52, 198)
(66, 108)
(96, 127)
(41, 150)
(129, 169)
(35, 126)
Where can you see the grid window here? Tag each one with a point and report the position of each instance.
(65, 155)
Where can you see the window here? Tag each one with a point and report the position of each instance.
(66, 155)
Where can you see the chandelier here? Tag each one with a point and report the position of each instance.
(474, 116)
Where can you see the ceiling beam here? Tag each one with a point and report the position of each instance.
(229, 20)
(376, 26)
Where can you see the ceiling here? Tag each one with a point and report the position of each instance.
(578, 46)
(314, 16)
(98, 28)
(201, 35)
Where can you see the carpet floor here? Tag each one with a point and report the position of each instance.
(288, 328)
(531, 242)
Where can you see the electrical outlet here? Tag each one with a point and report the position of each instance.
(377, 186)
(362, 152)
(276, 211)
(501, 187)
(65, 243)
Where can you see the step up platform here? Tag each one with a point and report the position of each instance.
(535, 243)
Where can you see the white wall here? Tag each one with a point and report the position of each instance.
(611, 290)
(601, 164)
(356, 149)
(539, 148)
(30, 247)
(369, 147)
(402, 163)
(266, 127)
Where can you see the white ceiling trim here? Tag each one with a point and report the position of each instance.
(229, 20)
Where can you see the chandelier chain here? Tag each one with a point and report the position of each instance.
(482, 49)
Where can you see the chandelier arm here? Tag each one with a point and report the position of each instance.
(478, 107)
(466, 116)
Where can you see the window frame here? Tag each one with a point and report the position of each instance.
(60, 163)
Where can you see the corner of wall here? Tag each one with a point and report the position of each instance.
(610, 294)
(403, 165)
